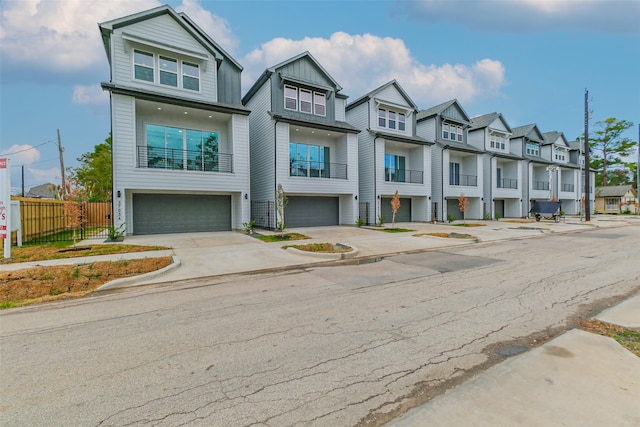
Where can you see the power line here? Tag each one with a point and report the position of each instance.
(27, 149)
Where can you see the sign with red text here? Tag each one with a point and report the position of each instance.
(5, 206)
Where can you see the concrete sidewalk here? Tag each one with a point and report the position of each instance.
(577, 379)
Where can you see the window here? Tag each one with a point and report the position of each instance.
(291, 98)
(305, 101)
(497, 141)
(445, 131)
(451, 132)
(190, 76)
(309, 160)
(611, 203)
(391, 119)
(168, 71)
(454, 173)
(178, 148)
(533, 149)
(143, 65)
(459, 128)
(382, 118)
(394, 168)
(401, 121)
(319, 104)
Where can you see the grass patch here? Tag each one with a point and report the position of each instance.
(628, 339)
(321, 247)
(467, 225)
(60, 250)
(395, 230)
(445, 235)
(42, 284)
(282, 237)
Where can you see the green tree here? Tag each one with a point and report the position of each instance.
(609, 150)
(94, 172)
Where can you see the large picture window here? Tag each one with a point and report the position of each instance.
(394, 168)
(178, 148)
(309, 160)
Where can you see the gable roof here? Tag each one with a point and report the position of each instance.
(269, 71)
(552, 137)
(43, 191)
(440, 108)
(107, 27)
(371, 94)
(526, 130)
(485, 120)
(614, 190)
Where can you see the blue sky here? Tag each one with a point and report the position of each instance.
(530, 60)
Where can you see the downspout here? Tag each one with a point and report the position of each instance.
(275, 169)
(442, 198)
(492, 203)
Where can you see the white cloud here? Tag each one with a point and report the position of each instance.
(63, 35)
(360, 63)
(517, 16)
(89, 95)
(216, 27)
(21, 154)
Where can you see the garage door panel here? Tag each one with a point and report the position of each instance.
(180, 213)
(307, 211)
(403, 214)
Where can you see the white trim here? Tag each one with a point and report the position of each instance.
(198, 56)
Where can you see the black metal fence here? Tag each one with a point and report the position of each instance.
(53, 221)
(264, 214)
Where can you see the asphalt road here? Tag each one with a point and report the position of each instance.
(344, 345)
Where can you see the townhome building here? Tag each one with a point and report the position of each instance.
(390, 156)
(301, 141)
(456, 165)
(565, 174)
(537, 171)
(180, 134)
(502, 190)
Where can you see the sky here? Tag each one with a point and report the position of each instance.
(530, 60)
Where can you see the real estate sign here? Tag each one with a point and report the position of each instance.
(5, 205)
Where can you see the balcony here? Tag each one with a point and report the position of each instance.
(178, 159)
(508, 183)
(568, 188)
(464, 180)
(406, 175)
(314, 169)
(541, 185)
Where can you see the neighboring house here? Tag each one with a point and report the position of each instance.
(566, 177)
(43, 191)
(537, 173)
(456, 165)
(390, 156)
(503, 184)
(300, 139)
(616, 199)
(180, 133)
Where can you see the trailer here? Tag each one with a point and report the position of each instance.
(546, 210)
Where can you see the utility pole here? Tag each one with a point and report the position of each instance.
(22, 180)
(587, 168)
(61, 150)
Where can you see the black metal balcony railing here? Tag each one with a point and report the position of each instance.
(176, 159)
(508, 183)
(312, 169)
(541, 185)
(568, 188)
(407, 175)
(465, 180)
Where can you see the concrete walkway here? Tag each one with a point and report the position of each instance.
(577, 379)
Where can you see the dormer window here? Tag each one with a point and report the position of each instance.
(533, 149)
(305, 101)
(497, 141)
(452, 132)
(560, 154)
(151, 68)
(391, 119)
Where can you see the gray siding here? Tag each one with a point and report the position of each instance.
(261, 130)
(454, 113)
(359, 117)
(229, 83)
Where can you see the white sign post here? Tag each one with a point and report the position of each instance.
(5, 205)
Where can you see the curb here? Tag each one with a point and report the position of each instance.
(125, 281)
(327, 255)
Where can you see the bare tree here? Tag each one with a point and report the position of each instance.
(463, 205)
(395, 205)
(281, 204)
